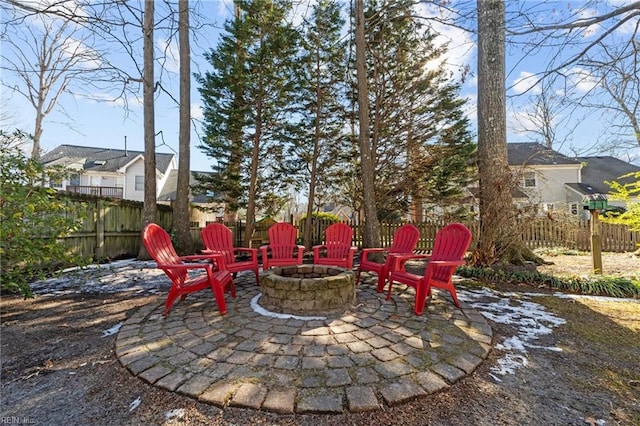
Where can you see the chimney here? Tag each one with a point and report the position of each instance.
(126, 154)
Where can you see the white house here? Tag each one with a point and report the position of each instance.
(107, 172)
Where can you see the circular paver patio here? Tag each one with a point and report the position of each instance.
(378, 353)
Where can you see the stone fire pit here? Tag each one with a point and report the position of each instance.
(307, 289)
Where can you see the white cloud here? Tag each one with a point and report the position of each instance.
(526, 82)
(196, 112)
(461, 46)
(582, 80)
(591, 30)
(83, 55)
(169, 55)
(67, 7)
(519, 121)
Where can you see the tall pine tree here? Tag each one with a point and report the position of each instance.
(422, 147)
(316, 155)
(247, 101)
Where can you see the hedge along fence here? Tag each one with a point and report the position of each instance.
(113, 228)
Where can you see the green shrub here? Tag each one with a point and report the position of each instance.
(592, 285)
(32, 218)
(323, 216)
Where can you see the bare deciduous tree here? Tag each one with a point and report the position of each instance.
(48, 58)
(181, 225)
(547, 112)
(616, 92)
(150, 208)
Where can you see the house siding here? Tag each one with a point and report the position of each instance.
(136, 168)
(550, 181)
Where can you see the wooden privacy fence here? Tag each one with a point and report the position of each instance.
(113, 227)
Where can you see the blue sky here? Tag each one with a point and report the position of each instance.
(82, 121)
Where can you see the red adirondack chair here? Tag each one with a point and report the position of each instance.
(282, 249)
(159, 246)
(449, 249)
(337, 249)
(404, 241)
(218, 239)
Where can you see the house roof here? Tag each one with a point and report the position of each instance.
(169, 190)
(535, 154)
(101, 159)
(597, 170)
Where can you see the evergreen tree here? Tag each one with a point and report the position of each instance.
(422, 147)
(317, 153)
(247, 105)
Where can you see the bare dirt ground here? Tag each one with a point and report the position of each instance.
(616, 264)
(58, 369)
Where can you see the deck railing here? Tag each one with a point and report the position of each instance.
(99, 191)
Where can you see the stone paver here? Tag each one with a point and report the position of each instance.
(375, 355)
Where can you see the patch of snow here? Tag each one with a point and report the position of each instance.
(134, 404)
(531, 321)
(126, 275)
(596, 298)
(112, 330)
(178, 412)
(264, 312)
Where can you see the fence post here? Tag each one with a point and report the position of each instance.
(100, 211)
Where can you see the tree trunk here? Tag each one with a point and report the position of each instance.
(493, 169)
(181, 225)
(37, 134)
(498, 239)
(253, 178)
(308, 226)
(371, 234)
(149, 210)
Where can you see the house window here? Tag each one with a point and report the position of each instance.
(574, 208)
(139, 183)
(529, 180)
(56, 183)
(74, 180)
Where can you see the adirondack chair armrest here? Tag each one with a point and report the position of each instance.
(253, 252)
(185, 266)
(316, 249)
(365, 252)
(448, 262)
(209, 252)
(399, 260)
(214, 257)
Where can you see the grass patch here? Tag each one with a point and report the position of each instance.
(594, 328)
(601, 285)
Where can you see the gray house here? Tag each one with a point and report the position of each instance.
(555, 182)
(595, 172)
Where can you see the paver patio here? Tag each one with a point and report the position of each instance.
(378, 353)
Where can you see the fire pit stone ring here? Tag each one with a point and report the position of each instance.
(307, 289)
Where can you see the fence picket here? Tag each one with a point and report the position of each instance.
(112, 229)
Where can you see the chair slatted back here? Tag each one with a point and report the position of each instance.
(405, 239)
(338, 238)
(452, 243)
(160, 248)
(219, 238)
(282, 240)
